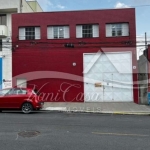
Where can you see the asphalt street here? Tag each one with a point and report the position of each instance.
(73, 131)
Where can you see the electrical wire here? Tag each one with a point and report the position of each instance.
(141, 6)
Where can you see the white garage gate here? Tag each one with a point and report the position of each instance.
(108, 77)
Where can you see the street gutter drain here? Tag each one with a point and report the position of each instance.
(29, 133)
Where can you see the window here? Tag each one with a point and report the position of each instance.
(0, 45)
(2, 19)
(29, 33)
(119, 29)
(22, 83)
(13, 91)
(5, 91)
(87, 31)
(19, 91)
(57, 32)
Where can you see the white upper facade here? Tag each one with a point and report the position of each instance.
(13, 6)
(7, 8)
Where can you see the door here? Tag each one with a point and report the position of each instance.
(16, 97)
(4, 97)
(108, 86)
(93, 79)
(114, 72)
(12, 98)
(22, 83)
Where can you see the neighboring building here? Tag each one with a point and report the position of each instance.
(7, 8)
(144, 76)
(67, 42)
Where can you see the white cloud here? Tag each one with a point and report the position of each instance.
(121, 5)
(60, 6)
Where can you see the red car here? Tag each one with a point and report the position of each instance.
(20, 98)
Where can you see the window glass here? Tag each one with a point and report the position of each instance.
(113, 30)
(119, 29)
(87, 31)
(30, 33)
(6, 91)
(58, 32)
(61, 32)
(19, 91)
(55, 32)
(116, 29)
(2, 19)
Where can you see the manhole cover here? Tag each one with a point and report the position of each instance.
(29, 133)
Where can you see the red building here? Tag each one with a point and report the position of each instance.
(77, 55)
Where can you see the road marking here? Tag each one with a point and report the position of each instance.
(120, 134)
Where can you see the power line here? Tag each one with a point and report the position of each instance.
(82, 42)
(75, 46)
(141, 6)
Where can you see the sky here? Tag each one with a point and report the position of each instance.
(142, 11)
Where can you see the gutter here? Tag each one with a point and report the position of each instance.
(21, 6)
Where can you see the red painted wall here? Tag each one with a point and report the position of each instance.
(51, 55)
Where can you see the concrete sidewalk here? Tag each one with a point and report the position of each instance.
(102, 107)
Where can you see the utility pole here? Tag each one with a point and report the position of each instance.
(145, 40)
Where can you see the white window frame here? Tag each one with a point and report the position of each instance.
(50, 32)
(22, 33)
(113, 26)
(95, 31)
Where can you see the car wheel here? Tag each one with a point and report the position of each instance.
(27, 108)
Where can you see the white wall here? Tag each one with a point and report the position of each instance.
(7, 4)
(38, 8)
(9, 7)
(6, 55)
(26, 7)
(10, 4)
(9, 25)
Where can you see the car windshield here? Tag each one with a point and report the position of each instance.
(3, 92)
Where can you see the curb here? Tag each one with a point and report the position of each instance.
(131, 113)
(95, 112)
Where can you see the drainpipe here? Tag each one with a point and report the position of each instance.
(145, 40)
(21, 6)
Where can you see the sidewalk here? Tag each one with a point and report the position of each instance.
(102, 107)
